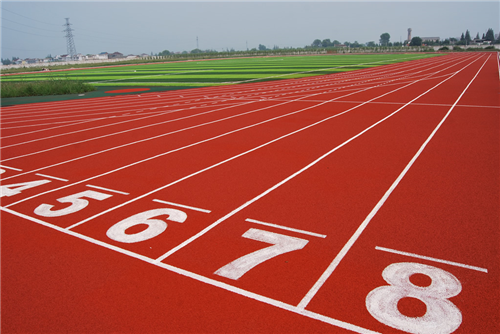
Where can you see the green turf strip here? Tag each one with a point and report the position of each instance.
(223, 71)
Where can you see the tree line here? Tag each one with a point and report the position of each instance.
(465, 39)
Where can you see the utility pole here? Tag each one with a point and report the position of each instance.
(70, 43)
(197, 42)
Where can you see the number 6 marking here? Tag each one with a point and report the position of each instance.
(155, 227)
(281, 244)
(441, 317)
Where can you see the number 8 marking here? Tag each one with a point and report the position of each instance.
(441, 317)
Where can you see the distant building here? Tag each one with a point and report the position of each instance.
(101, 56)
(115, 55)
(430, 39)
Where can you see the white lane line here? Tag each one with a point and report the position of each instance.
(182, 206)
(333, 265)
(230, 214)
(147, 76)
(319, 70)
(423, 257)
(209, 139)
(52, 177)
(41, 124)
(196, 126)
(239, 155)
(12, 168)
(151, 138)
(138, 128)
(150, 115)
(498, 64)
(55, 127)
(107, 189)
(398, 69)
(285, 228)
(203, 279)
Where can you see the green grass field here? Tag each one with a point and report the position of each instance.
(218, 72)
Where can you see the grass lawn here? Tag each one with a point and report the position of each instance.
(217, 72)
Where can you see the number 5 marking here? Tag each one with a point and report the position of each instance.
(76, 200)
(281, 244)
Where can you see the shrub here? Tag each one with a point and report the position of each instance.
(44, 87)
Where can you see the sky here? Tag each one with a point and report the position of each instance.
(35, 29)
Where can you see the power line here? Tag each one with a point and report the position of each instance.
(24, 32)
(79, 29)
(4, 19)
(52, 24)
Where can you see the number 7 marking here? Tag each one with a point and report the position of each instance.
(281, 244)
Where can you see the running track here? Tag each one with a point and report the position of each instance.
(259, 208)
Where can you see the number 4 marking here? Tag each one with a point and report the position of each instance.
(14, 189)
(281, 244)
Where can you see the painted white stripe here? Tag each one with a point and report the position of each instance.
(230, 214)
(498, 64)
(200, 278)
(319, 70)
(333, 265)
(155, 115)
(182, 206)
(227, 133)
(12, 168)
(286, 228)
(55, 127)
(456, 264)
(242, 154)
(52, 177)
(107, 189)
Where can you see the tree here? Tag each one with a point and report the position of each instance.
(384, 39)
(467, 37)
(371, 44)
(462, 38)
(164, 53)
(6, 61)
(490, 36)
(416, 41)
(262, 47)
(196, 51)
(477, 36)
(326, 43)
(316, 43)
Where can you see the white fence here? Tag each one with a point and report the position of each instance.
(72, 62)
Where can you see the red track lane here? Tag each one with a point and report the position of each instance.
(99, 145)
(56, 282)
(446, 207)
(136, 183)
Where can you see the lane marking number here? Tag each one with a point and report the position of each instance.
(16, 188)
(155, 227)
(77, 203)
(281, 244)
(441, 316)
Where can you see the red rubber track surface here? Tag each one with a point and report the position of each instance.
(347, 176)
